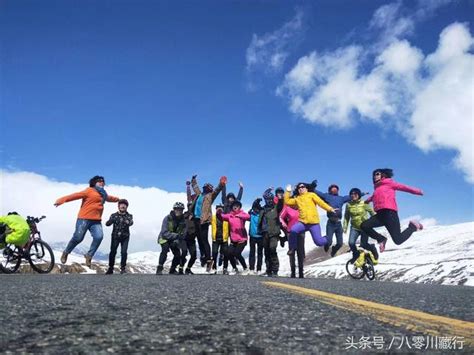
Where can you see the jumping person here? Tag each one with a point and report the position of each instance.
(256, 238)
(121, 221)
(288, 218)
(220, 237)
(89, 218)
(357, 211)
(238, 234)
(229, 198)
(308, 220)
(203, 213)
(386, 208)
(172, 236)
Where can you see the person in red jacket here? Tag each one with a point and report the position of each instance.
(386, 209)
(89, 217)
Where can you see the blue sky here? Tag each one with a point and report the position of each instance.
(150, 92)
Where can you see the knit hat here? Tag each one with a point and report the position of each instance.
(123, 202)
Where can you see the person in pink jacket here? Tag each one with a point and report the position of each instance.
(288, 218)
(238, 234)
(386, 209)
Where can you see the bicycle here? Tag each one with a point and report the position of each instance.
(365, 269)
(38, 253)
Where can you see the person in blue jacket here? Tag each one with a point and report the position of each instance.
(334, 225)
(256, 238)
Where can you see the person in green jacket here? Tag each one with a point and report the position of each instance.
(14, 230)
(357, 211)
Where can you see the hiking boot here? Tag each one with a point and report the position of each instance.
(293, 275)
(109, 271)
(225, 272)
(236, 271)
(88, 260)
(159, 270)
(180, 270)
(382, 245)
(173, 271)
(333, 252)
(416, 225)
(301, 275)
(64, 257)
(326, 248)
(189, 272)
(123, 271)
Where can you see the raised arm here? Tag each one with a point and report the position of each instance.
(71, 197)
(188, 191)
(406, 188)
(222, 183)
(289, 200)
(195, 186)
(241, 192)
(224, 195)
(320, 202)
(112, 199)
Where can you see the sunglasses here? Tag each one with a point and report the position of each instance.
(301, 187)
(377, 174)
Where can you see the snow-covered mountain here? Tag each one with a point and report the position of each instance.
(438, 254)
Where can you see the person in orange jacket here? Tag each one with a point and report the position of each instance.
(89, 217)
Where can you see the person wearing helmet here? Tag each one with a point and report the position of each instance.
(357, 211)
(333, 225)
(89, 217)
(14, 229)
(203, 214)
(308, 219)
(121, 221)
(220, 237)
(229, 198)
(385, 206)
(172, 237)
(256, 238)
(270, 227)
(238, 234)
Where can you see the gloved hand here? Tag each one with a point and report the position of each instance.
(288, 188)
(223, 180)
(188, 183)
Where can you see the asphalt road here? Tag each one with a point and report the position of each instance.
(207, 314)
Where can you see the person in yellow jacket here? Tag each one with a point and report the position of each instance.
(220, 237)
(15, 230)
(306, 203)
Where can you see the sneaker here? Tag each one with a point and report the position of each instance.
(189, 272)
(245, 272)
(159, 270)
(417, 225)
(360, 260)
(236, 271)
(252, 273)
(109, 271)
(382, 245)
(64, 257)
(225, 272)
(88, 260)
(372, 258)
(333, 252)
(123, 271)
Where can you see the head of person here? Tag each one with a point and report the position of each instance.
(231, 198)
(97, 181)
(301, 188)
(207, 188)
(279, 192)
(236, 206)
(355, 194)
(380, 174)
(123, 205)
(256, 206)
(219, 208)
(178, 209)
(269, 198)
(333, 189)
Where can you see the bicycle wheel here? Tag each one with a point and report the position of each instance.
(353, 271)
(369, 269)
(41, 257)
(10, 259)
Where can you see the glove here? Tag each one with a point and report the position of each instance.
(188, 183)
(288, 188)
(314, 183)
(223, 180)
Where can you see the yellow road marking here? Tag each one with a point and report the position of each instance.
(400, 317)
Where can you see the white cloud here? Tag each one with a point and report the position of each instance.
(34, 195)
(427, 98)
(270, 50)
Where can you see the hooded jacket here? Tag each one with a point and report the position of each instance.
(288, 217)
(172, 228)
(306, 204)
(92, 206)
(225, 200)
(384, 194)
(356, 212)
(207, 200)
(238, 233)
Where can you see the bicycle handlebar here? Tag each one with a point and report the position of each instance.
(35, 219)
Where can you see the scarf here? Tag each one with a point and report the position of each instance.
(102, 192)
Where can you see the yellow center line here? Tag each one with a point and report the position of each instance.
(415, 321)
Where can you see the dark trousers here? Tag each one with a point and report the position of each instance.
(270, 244)
(165, 248)
(256, 245)
(334, 227)
(300, 252)
(235, 252)
(191, 249)
(123, 252)
(203, 241)
(388, 219)
(223, 248)
(364, 243)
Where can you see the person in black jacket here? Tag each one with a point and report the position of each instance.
(121, 221)
(173, 237)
